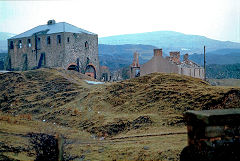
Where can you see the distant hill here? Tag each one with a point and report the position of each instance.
(221, 56)
(3, 46)
(5, 35)
(3, 56)
(223, 71)
(118, 56)
(170, 40)
(3, 41)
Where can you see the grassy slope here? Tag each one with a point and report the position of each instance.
(83, 113)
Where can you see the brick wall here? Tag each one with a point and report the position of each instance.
(175, 57)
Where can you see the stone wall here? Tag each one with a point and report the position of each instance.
(53, 52)
(171, 64)
(175, 57)
(157, 52)
(75, 50)
(158, 64)
(193, 72)
(212, 135)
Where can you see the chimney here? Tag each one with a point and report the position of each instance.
(51, 22)
(175, 56)
(185, 57)
(136, 60)
(157, 52)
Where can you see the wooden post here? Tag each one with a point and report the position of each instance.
(204, 63)
(60, 141)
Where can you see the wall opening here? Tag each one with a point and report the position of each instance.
(42, 61)
(86, 45)
(11, 46)
(20, 44)
(137, 73)
(105, 77)
(29, 43)
(38, 43)
(72, 66)
(25, 62)
(90, 71)
(59, 39)
(48, 40)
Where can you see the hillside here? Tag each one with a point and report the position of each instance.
(223, 71)
(137, 119)
(170, 41)
(221, 56)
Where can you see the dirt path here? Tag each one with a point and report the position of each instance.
(125, 139)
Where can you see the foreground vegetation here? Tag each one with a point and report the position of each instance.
(137, 119)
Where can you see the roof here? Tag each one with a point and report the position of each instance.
(51, 29)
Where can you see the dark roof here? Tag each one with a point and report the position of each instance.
(51, 29)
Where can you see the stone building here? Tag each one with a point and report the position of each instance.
(55, 45)
(135, 67)
(170, 64)
(105, 73)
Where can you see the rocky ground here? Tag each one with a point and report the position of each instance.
(137, 119)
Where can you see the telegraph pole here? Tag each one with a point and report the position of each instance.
(36, 48)
(204, 63)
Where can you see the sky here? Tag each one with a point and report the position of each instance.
(216, 19)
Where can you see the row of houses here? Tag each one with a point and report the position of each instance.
(169, 64)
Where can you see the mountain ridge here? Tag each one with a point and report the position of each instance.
(170, 40)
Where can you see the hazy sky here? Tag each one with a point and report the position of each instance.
(217, 19)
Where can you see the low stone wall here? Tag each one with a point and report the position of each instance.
(212, 135)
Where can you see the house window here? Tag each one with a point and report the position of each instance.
(68, 39)
(38, 43)
(11, 45)
(48, 40)
(86, 45)
(29, 43)
(20, 44)
(59, 39)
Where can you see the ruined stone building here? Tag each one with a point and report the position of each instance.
(55, 45)
(105, 74)
(169, 64)
(135, 67)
